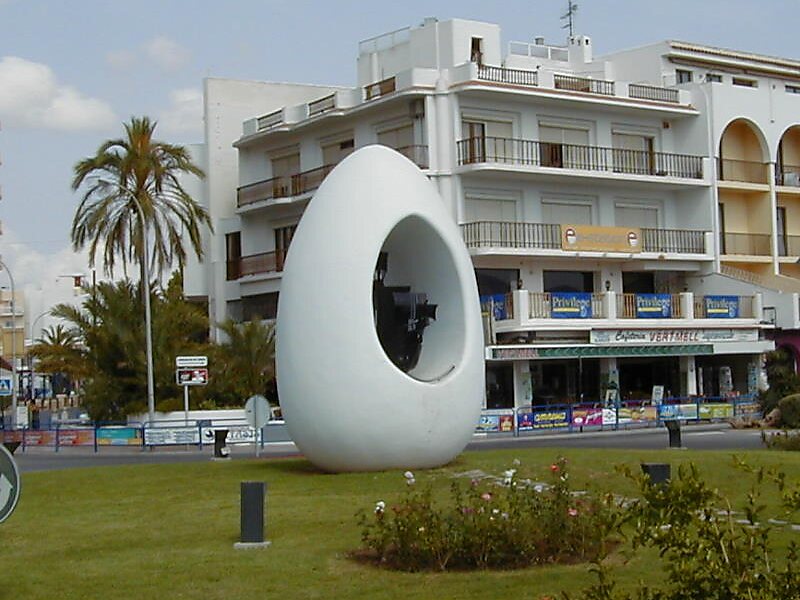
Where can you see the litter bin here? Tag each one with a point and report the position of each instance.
(220, 449)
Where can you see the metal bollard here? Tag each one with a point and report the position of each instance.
(674, 428)
(659, 473)
(220, 449)
(253, 495)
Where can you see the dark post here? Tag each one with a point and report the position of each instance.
(252, 519)
(659, 473)
(674, 429)
(220, 449)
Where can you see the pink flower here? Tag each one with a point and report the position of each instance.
(572, 512)
(486, 496)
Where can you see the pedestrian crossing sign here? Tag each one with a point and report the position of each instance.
(5, 386)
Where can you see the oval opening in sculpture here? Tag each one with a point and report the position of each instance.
(417, 301)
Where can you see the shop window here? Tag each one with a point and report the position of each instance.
(499, 386)
(568, 281)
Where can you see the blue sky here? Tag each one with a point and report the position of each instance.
(72, 72)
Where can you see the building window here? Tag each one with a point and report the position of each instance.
(261, 306)
(233, 255)
(496, 281)
(683, 76)
(751, 83)
(792, 89)
(568, 281)
(283, 237)
(714, 77)
(476, 51)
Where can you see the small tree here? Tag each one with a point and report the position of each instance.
(59, 352)
(781, 377)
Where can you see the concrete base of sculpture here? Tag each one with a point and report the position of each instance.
(347, 404)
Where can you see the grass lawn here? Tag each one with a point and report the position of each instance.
(167, 531)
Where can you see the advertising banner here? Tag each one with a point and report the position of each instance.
(720, 410)
(76, 437)
(237, 434)
(677, 411)
(601, 239)
(649, 337)
(653, 306)
(570, 305)
(495, 423)
(542, 418)
(166, 436)
(40, 438)
(496, 305)
(722, 307)
(119, 436)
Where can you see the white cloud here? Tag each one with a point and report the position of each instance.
(31, 96)
(121, 60)
(184, 113)
(166, 53)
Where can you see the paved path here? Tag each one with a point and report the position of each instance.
(696, 437)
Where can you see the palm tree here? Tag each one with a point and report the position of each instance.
(132, 179)
(60, 351)
(245, 364)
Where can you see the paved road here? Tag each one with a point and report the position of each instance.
(695, 437)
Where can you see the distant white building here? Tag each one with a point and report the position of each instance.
(634, 219)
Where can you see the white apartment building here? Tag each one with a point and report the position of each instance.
(634, 220)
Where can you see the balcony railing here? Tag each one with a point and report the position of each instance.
(417, 154)
(255, 264)
(511, 76)
(541, 306)
(583, 84)
(681, 241)
(751, 244)
(283, 186)
(380, 88)
(649, 92)
(585, 158)
(317, 107)
(483, 234)
(748, 171)
(634, 306)
(269, 121)
(512, 234)
(788, 175)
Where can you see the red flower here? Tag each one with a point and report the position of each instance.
(554, 468)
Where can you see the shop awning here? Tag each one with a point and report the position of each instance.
(545, 352)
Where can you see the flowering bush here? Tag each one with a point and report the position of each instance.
(501, 522)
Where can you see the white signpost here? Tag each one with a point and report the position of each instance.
(256, 411)
(190, 370)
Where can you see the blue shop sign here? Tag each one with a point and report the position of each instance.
(653, 306)
(722, 307)
(496, 304)
(570, 305)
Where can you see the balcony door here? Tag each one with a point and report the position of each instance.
(283, 237)
(781, 231)
(400, 139)
(563, 147)
(334, 153)
(488, 141)
(283, 168)
(633, 154)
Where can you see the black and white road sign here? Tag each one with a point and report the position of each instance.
(9, 483)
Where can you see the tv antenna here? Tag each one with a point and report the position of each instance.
(572, 8)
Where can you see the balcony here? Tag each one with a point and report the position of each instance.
(269, 121)
(788, 176)
(417, 154)
(283, 186)
(255, 264)
(789, 245)
(649, 92)
(748, 244)
(323, 105)
(380, 88)
(522, 308)
(534, 153)
(511, 235)
(745, 171)
(583, 84)
(510, 76)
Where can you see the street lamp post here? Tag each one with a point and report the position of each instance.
(30, 366)
(13, 349)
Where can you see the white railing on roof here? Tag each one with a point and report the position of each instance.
(538, 51)
(384, 41)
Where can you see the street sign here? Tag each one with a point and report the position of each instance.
(191, 376)
(256, 411)
(6, 388)
(191, 361)
(9, 483)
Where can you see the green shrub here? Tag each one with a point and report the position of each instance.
(785, 440)
(500, 523)
(790, 411)
(710, 553)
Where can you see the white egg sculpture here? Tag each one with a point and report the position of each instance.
(376, 265)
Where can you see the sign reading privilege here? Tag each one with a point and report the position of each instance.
(646, 337)
(653, 306)
(722, 307)
(570, 305)
(601, 239)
